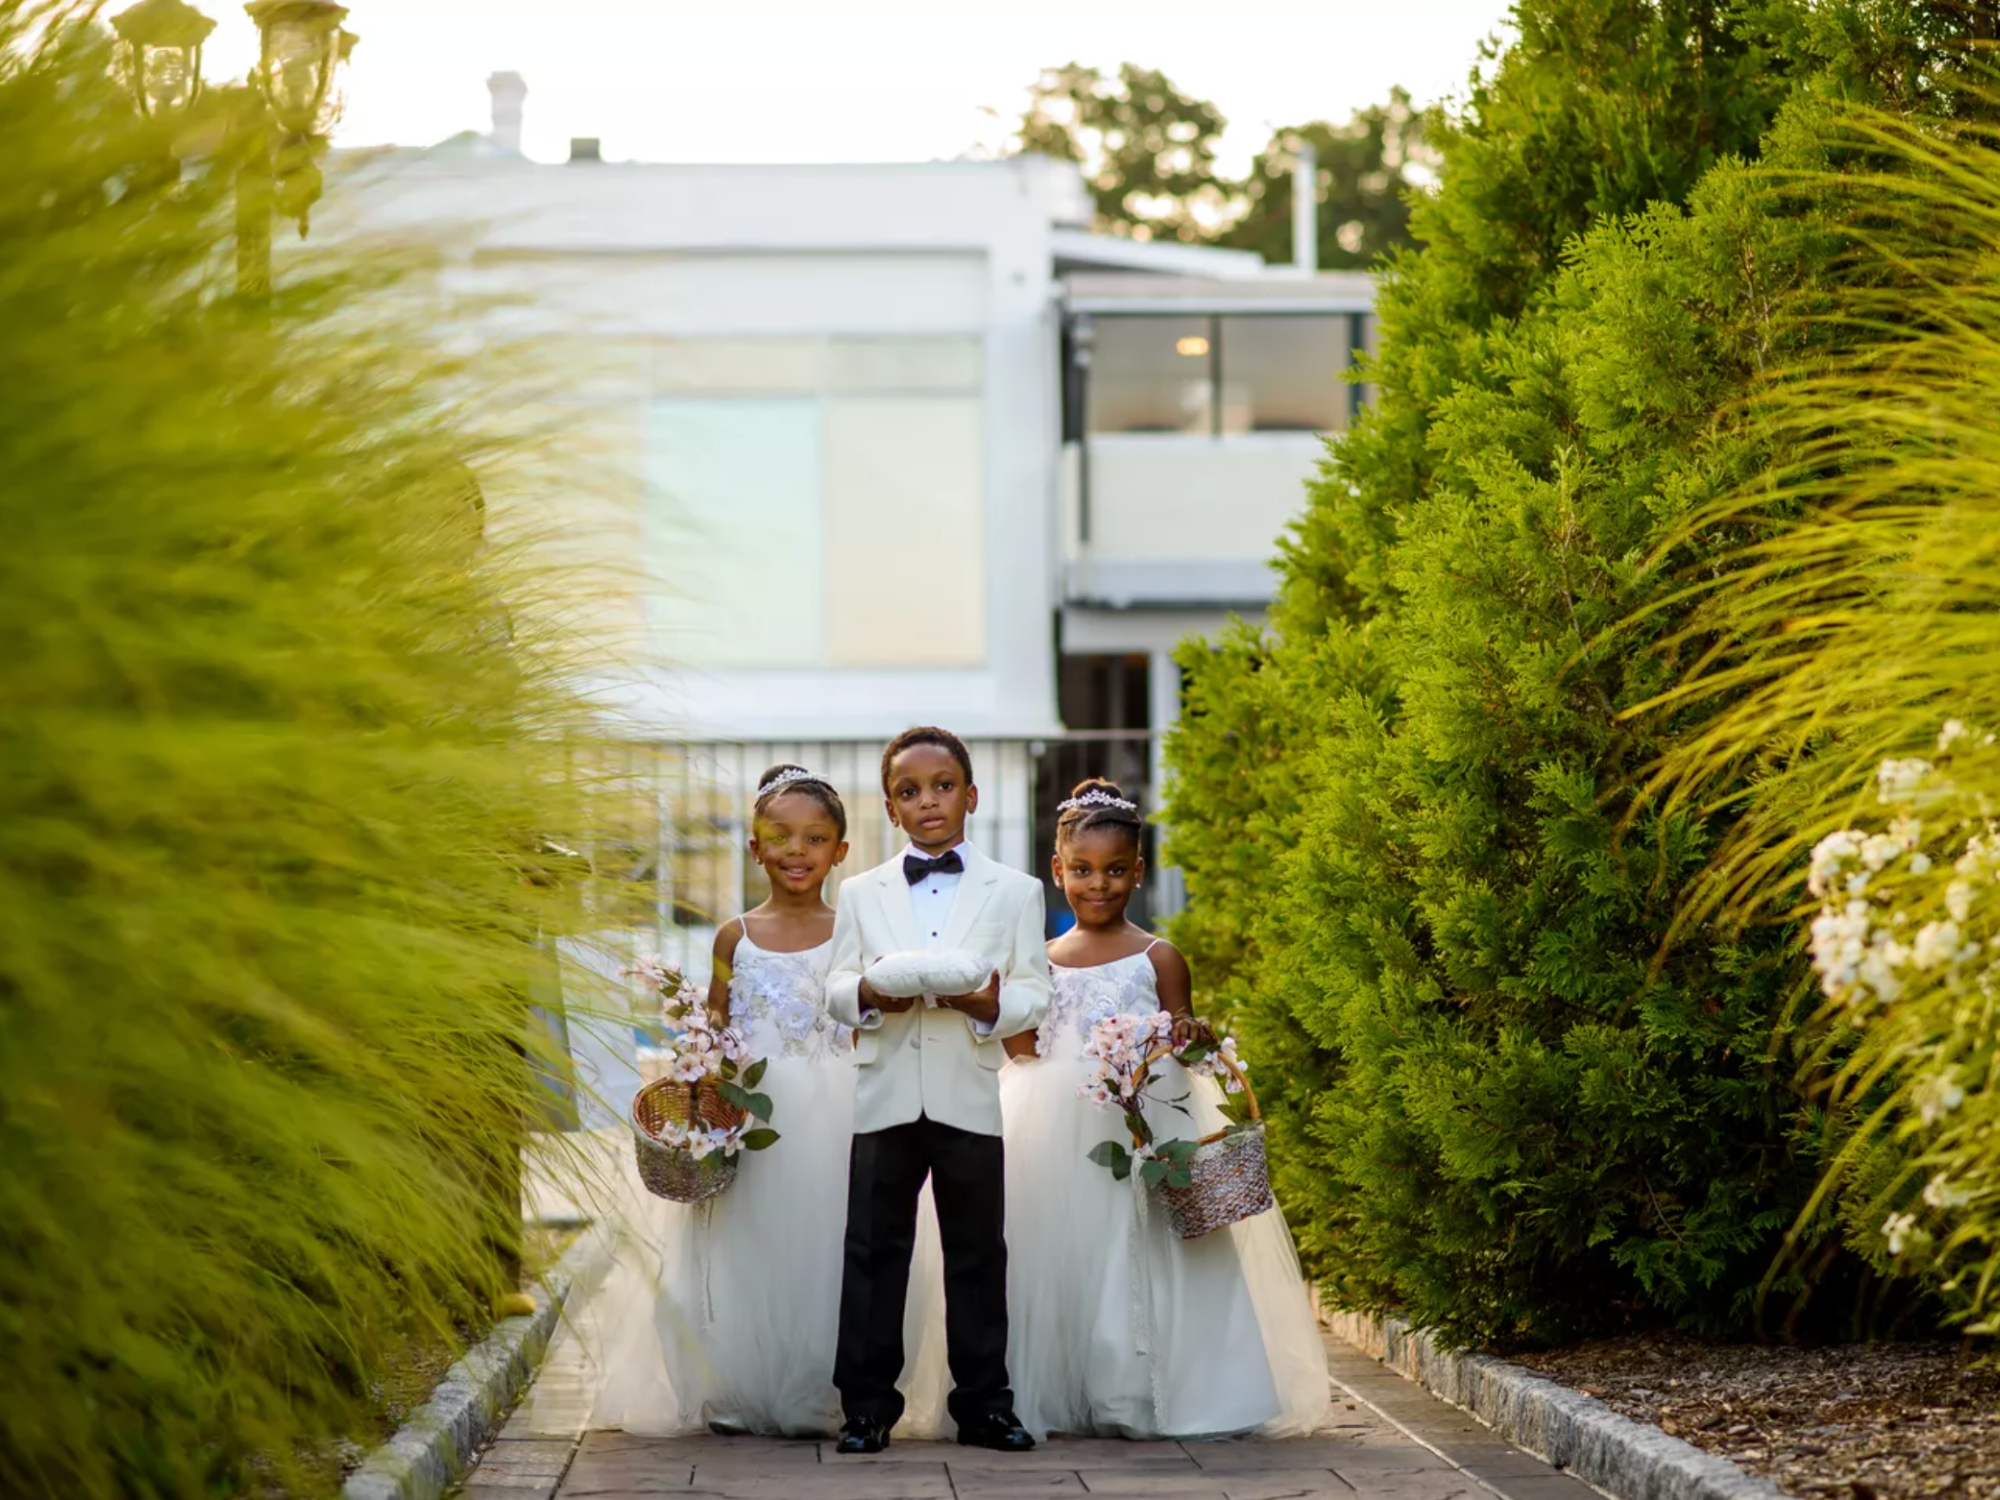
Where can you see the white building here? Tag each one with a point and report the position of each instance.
(894, 444)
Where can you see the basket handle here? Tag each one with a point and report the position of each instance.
(1236, 1071)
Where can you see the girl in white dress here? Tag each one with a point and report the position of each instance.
(724, 1314)
(1119, 1328)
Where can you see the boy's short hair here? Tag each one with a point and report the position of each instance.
(927, 734)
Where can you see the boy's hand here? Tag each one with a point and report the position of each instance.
(982, 1005)
(890, 1005)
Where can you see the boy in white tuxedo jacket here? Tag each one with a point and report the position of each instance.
(927, 1096)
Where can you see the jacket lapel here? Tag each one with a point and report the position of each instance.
(974, 886)
(896, 905)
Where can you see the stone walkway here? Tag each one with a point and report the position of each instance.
(1389, 1440)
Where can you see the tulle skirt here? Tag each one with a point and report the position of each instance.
(728, 1311)
(1117, 1327)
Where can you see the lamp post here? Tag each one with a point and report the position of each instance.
(280, 121)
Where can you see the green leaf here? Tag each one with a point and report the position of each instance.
(1154, 1172)
(1116, 1157)
(735, 1094)
(1180, 1177)
(758, 1105)
(756, 1074)
(760, 1139)
(1195, 1052)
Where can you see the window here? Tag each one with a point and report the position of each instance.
(1282, 374)
(789, 478)
(1203, 374)
(1151, 374)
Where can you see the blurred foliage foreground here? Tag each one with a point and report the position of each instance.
(281, 733)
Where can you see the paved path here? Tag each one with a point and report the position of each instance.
(1389, 1440)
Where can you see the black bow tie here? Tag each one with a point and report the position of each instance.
(916, 868)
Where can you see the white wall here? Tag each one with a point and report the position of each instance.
(936, 521)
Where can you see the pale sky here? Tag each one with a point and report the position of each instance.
(867, 80)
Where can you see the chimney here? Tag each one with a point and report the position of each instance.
(1305, 208)
(585, 148)
(510, 92)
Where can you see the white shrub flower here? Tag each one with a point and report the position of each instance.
(1939, 1193)
(1937, 945)
(1901, 780)
(1937, 1096)
(1828, 855)
(1898, 1230)
(1954, 729)
(1878, 849)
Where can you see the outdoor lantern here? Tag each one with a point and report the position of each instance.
(303, 47)
(162, 42)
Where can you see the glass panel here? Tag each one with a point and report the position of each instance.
(1150, 375)
(887, 367)
(1282, 374)
(735, 532)
(726, 367)
(903, 501)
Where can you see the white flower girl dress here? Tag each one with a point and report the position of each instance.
(1118, 1327)
(726, 1312)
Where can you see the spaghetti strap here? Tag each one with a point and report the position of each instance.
(1151, 946)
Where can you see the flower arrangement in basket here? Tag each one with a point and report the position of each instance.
(1204, 1184)
(689, 1125)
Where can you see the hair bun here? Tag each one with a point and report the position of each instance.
(774, 772)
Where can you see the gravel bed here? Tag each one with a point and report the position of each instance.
(1856, 1421)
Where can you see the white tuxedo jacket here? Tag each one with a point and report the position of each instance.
(928, 1060)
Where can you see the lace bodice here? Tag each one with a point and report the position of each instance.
(1080, 998)
(778, 1000)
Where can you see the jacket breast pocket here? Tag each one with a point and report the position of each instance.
(988, 939)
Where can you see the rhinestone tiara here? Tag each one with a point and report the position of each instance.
(1097, 797)
(787, 778)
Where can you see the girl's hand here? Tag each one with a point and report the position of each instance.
(1190, 1031)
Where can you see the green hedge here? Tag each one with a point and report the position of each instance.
(1505, 1103)
(278, 736)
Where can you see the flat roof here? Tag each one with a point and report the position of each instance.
(1277, 289)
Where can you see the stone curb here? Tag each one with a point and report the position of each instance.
(431, 1451)
(1625, 1459)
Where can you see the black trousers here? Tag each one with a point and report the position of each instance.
(886, 1174)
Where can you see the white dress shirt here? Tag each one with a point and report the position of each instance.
(931, 898)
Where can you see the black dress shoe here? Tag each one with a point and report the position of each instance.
(862, 1437)
(998, 1431)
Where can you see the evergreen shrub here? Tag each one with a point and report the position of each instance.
(1504, 1104)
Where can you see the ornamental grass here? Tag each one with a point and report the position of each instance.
(1850, 690)
(283, 746)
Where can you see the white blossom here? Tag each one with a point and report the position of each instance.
(1900, 780)
(1954, 729)
(1898, 1229)
(1937, 945)
(1937, 1096)
(1828, 855)
(1878, 849)
(1939, 1193)
(1958, 900)
(1920, 863)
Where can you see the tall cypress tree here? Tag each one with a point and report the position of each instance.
(1502, 1103)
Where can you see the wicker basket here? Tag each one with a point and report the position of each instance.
(669, 1171)
(1232, 1176)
